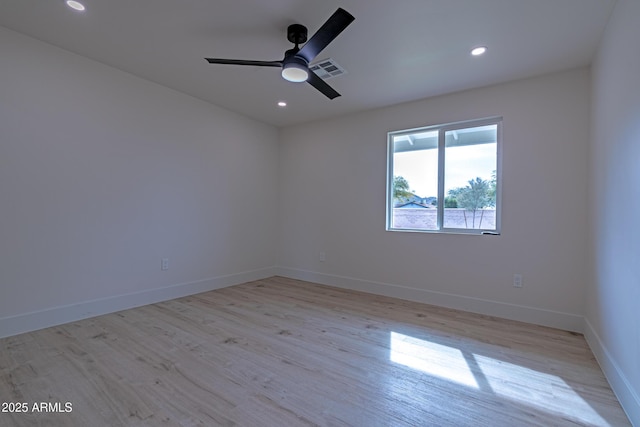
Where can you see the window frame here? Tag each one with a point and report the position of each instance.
(442, 129)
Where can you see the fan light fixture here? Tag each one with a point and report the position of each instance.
(295, 70)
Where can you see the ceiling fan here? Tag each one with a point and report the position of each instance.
(295, 64)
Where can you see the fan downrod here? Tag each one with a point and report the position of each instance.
(297, 34)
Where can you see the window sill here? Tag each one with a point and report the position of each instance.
(458, 232)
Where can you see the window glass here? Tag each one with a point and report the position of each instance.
(415, 181)
(445, 178)
(470, 166)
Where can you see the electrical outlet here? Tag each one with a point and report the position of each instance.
(517, 280)
(164, 265)
(322, 256)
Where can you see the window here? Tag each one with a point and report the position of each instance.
(445, 178)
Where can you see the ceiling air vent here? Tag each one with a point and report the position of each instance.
(327, 69)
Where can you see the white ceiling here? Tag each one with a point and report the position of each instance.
(393, 52)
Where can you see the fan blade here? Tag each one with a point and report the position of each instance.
(322, 86)
(326, 34)
(244, 62)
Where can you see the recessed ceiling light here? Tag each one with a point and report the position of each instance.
(477, 51)
(282, 104)
(75, 5)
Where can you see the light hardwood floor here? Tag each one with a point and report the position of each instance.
(281, 352)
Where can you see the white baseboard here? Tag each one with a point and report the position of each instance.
(618, 381)
(70, 313)
(537, 316)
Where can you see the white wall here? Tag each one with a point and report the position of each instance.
(613, 298)
(102, 174)
(332, 199)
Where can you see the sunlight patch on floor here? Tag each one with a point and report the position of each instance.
(545, 391)
(511, 381)
(435, 359)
